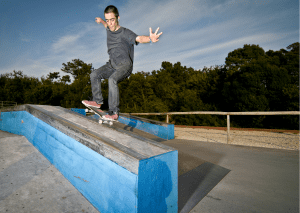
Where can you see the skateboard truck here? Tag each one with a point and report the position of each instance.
(101, 120)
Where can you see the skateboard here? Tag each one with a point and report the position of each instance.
(101, 114)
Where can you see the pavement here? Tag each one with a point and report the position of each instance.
(260, 179)
(255, 180)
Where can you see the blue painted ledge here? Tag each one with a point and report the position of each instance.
(160, 129)
(114, 171)
(80, 111)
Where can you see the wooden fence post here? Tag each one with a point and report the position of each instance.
(228, 129)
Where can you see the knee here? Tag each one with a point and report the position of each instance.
(112, 81)
(93, 75)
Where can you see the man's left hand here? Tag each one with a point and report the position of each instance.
(154, 36)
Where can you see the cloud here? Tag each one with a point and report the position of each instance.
(166, 14)
(25, 39)
(232, 44)
(196, 33)
(211, 38)
(32, 68)
(65, 43)
(103, 4)
(84, 41)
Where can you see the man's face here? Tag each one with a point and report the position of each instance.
(111, 21)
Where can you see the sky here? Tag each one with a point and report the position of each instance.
(38, 36)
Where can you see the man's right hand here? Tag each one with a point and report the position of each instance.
(98, 20)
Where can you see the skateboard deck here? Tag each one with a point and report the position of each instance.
(101, 114)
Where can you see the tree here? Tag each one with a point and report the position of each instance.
(77, 68)
(251, 80)
(241, 56)
(3, 81)
(261, 83)
(14, 87)
(52, 76)
(80, 89)
(292, 65)
(65, 79)
(42, 94)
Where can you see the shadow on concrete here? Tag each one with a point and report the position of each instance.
(194, 185)
(197, 177)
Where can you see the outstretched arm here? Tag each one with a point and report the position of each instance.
(146, 39)
(99, 20)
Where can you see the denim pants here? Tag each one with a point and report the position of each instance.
(114, 74)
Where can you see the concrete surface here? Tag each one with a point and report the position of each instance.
(260, 180)
(29, 183)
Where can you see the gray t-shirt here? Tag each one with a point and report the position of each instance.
(120, 45)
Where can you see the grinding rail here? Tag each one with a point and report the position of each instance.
(115, 171)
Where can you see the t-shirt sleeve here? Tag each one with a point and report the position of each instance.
(131, 36)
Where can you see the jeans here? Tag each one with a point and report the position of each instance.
(114, 74)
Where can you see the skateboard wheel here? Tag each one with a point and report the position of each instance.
(110, 123)
(100, 121)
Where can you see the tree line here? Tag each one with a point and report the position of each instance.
(250, 80)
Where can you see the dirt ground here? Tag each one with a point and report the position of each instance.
(278, 139)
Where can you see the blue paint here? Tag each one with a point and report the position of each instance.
(158, 183)
(108, 186)
(163, 131)
(95, 116)
(100, 180)
(80, 111)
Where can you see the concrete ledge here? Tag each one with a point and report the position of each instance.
(114, 171)
(80, 111)
(157, 128)
(160, 129)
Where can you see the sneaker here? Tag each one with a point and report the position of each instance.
(91, 103)
(111, 117)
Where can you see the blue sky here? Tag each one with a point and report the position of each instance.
(37, 36)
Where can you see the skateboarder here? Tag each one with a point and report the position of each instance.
(120, 45)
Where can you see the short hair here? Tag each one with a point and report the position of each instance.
(111, 9)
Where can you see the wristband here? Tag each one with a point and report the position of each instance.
(150, 40)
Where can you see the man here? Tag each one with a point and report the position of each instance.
(120, 45)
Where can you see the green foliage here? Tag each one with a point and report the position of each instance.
(80, 89)
(241, 56)
(262, 82)
(77, 68)
(250, 80)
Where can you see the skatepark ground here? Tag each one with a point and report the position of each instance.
(256, 179)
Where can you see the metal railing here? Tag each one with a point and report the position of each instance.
(5, 104)
(220, 113)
